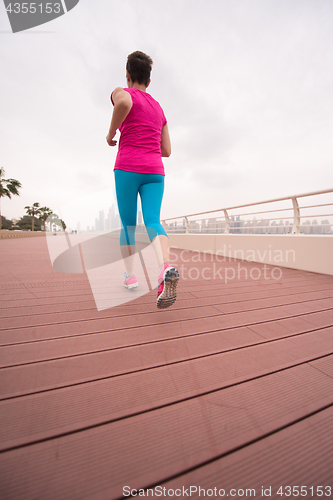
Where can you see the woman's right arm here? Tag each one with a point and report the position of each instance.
(122, 106)
(165, 142)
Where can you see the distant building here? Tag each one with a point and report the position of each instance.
(101, 220)
(326, 227)
(306, 227)
(111, 217)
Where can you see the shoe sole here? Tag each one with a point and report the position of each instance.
(131, 286)
(169, 294)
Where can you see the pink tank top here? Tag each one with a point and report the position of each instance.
(140, 140)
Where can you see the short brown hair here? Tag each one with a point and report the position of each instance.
(139, 67)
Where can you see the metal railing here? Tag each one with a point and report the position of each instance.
(283, 216)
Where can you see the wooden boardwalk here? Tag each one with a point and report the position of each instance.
(229, 390)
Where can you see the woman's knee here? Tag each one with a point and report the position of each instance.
(155, 229)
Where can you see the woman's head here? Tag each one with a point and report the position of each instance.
(139, 67)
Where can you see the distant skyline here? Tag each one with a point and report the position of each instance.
(240, 225)
(246, 88)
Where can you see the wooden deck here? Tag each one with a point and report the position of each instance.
(231, 388)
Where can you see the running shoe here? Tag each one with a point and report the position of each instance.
(167, 284)
(130, 281)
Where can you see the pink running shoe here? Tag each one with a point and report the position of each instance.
(130, 281)
(167, 284)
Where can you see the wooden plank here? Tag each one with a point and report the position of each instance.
(210, 314)
(297, 455)
(211, 371)
(34, 307)
(208, 333)
(45, 415)
(151, 447)
(92, 400)
(307, 299)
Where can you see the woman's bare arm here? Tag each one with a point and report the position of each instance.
(165, 142)
(122, 106)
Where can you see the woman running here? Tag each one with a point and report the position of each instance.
(139, 170)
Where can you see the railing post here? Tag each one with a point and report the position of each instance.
(187, 225)
(297, 218)
(227, 222)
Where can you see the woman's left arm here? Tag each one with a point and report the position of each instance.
(122, 106)
(165, 142)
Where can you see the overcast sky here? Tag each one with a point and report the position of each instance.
(246, 86)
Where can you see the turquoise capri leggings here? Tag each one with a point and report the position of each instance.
(151, 188)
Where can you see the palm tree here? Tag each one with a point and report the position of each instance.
(7, 187)
(33, 210)
(45, 212)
